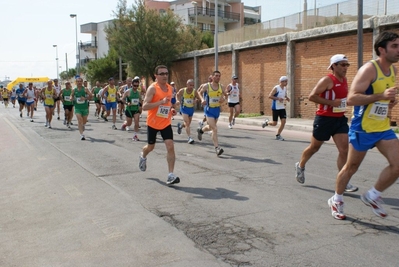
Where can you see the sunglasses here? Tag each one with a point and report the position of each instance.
(163, 74)
(344, 64)
(135, 85)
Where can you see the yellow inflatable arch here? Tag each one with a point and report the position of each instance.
(26, 80)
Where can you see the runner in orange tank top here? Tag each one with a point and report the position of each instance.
(157, 102)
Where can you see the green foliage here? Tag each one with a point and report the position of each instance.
(68, 75)
(207, 39)
(103, 68)
(249, 115)
(144, 38)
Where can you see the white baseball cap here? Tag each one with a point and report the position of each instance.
(337, 58)
(283, 79)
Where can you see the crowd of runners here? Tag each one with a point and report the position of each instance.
(372, 93)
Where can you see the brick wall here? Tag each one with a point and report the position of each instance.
(259, 69)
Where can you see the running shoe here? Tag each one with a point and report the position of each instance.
(351, 188)
(190, 140)
(64, 122)
(172, 179)
(46, 124)
(265, 123)
(135, 138)
(27, 114)
(299, 173)
(279, 137)
(121, 116)
(71, 123)
(337, 209)
(376, 205)
(233, 121)
(128, 128)
(123, 128)
(142, 163)
(20, 114)
(219, 151)
(49, 126)
(201, 123)
(82, 137)
(179, 126)
(68, 125)
(200, 132)
(230, 126)
(31, 120)
(58, 118)
(114, 127)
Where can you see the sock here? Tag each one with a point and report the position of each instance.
(171, 173)
(338, 198)
(374, 193)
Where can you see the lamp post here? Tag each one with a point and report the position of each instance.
(77, 44)
(56, 59)
(196, 13)
(216, 41)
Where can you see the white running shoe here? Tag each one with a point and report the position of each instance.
(337, 209)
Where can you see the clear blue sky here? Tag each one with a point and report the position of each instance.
(31, 28)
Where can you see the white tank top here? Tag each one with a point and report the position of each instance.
(234, 96)
(30, 96)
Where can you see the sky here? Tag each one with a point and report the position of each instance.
(30, 28)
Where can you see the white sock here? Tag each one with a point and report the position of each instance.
(374, 193)
(338, 198)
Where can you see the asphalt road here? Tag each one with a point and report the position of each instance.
(66, 202)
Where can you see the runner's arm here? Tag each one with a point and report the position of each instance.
(323, 85)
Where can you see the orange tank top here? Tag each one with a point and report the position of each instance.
(160, 117)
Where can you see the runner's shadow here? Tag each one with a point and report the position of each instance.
(249, 159)
(95, 140)
(206, 193)
(386, 228)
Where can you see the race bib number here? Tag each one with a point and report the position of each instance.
(49, 96)
(80, 101)
(340, 108)
(163, 111)
(379, 111)
(112, 96)
(214, 100)
(134, 101)
(235, 95)
(67, 98)
(188, 101)
(20, 95)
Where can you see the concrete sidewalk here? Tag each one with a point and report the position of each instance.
(295, 124)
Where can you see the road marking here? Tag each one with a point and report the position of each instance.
(20, 135)
(108, 230)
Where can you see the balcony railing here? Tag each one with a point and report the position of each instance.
(88, 45)
(211, 12)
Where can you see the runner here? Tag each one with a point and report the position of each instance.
(49, 95)
(212, 96)
(373, 94)
(160, 109)
(278, 96)
(121, 106)
(30, 94)
(85, 85)
(186, 98)
(21, 99)
(330, 121)
(132, 99)
(5, 95)
(13, 96)
(80, 96)
(110, 93)
(233, 100)
(67, 103)
(97, 100)
(173, 100)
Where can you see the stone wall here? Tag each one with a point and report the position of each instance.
(302, 56)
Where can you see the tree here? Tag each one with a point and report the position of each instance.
(145, 38)
(66, 75)
(103, 68)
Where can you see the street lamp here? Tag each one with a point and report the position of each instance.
(196, 13)
(77, 44)
(56, 59)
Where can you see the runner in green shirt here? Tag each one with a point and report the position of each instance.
(67, 103)
(132, 99)
(80, 97)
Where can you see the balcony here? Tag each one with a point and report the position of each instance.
(89, 28)
(205, 12)
(88, 46)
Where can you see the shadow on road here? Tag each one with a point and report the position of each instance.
(96, 140)
(206, 193)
